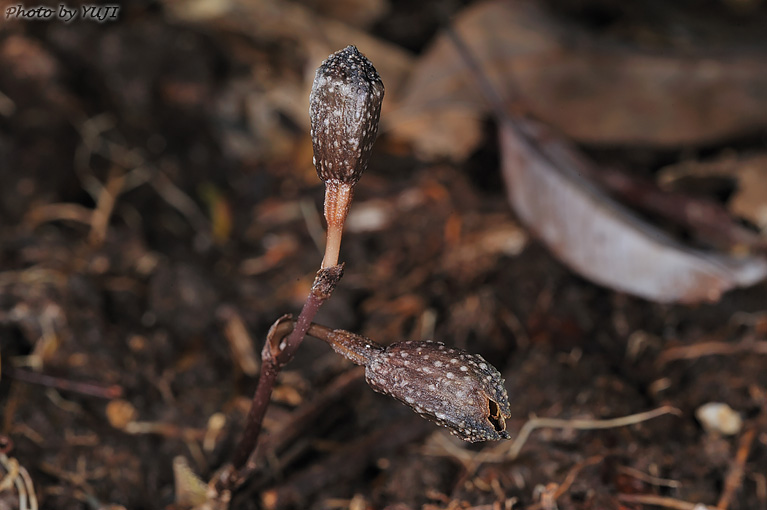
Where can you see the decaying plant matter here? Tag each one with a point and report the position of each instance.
(456, 389)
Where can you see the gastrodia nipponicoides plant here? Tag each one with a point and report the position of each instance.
(344, 109)
(455, 389)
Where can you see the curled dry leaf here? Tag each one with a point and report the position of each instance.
(592, 91)
(599, 238)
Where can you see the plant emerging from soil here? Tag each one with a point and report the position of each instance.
(457, 390)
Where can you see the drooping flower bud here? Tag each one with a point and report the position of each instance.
(458, 390)
(344, 109)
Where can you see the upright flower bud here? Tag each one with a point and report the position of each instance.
(344, 109)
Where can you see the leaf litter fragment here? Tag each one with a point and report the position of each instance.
(589, 231)
(599, 238)
(591, 90)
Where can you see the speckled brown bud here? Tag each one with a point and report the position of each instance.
(344, 108)
(458, 390)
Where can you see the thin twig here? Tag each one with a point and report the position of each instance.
(536, 423)
(503, 453)
(239, 339)
(735, 475)
(164, 429)
(182, 202)
(446, 448)
(570, 478)
(11, 472)
(760, 480)
(662, 501)
(574, 472)
(652, 480)
(19, 476)
(712, 349)
(83, 388)
(105, 206)
(59, 212)
(30, 487)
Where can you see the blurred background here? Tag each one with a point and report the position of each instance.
(598, 233)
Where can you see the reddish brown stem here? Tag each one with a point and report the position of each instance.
(255, 418)
(277, 352)
(338, 198)
(84, 388)
(355, 348)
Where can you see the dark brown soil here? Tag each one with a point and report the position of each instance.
(140, 308)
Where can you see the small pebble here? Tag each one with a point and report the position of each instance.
(719, 417)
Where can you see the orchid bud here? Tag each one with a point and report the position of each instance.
(458, 390)
(344, 108)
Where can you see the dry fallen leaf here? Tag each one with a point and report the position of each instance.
(478, 251)
(358, 13)
(284, 21)
(590, 90)
(251, 108)
(599, 238)
(191, 491)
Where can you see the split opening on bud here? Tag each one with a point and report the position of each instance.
(496, 418)
(344, 110)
